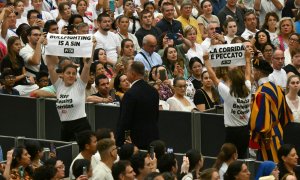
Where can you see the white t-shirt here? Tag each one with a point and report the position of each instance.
(110, 43)
(46, 16)
(198, 53)
(102, 172)
(94, 163)
(223, 170)
(236, 110)
(248, 33)
(26, 53)
(61, 23)
(70, 102)
(278, 77)
(21, 21)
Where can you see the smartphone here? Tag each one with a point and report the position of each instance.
(113, 94)
(52, 148)
(162, 75)
(151, 152)
(112, 5)
(39, 16)
(21, 172)
(173, 36)
(170, 150)
(127, 134)
(218, 30)
(84, 171)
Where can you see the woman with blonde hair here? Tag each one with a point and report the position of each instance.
(286, 28)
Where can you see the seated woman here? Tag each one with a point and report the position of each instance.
(207, 96)
(35, 150)
(20, 165)
(15, 62)
(58, 165)
(196, 163)
(101, 57)
(121, 85)
(288, 160)
(267, 51)
(158, 74)
(267, 168)
(237, 170)
(195, 67)
(170, 58)
(227, 155)
(179, 102)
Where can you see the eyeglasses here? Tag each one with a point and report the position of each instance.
(279, 58)
(182, 86)
(294, 40)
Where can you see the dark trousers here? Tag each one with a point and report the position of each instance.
(239, 136)
(69, 129)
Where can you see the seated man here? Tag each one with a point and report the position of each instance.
(102, 85)
(108, 152)
(8, 80)
(142, 165)
(123, 170)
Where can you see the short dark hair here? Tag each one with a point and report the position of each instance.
(44, 173)
(119, 168)
(295, 51)
(143, 12)
(138, 161)
(73, 17)
(159, 148)
(48, 24)
(193, 60)
(138, 67)
(41, 74)
(32, 11)
(248, 13)
(101, 16)
(166, 162)
(29, 31)
(165, 4)
(83, 138)
(104, 144)
(126, 151)
(78, 165)
(97, 79)
(103, 133)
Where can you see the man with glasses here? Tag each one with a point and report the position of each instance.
(8, 79)
(32, 52)
(186, 18)
(108, 152)
(278, 76)
(147, 55)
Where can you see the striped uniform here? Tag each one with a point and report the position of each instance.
(269, 115)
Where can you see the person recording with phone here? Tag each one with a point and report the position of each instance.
(34, 18)
(65, 13)
(158, 74)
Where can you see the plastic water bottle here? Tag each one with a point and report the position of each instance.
(1, 154)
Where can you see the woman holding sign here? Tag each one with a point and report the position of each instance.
(70, 93)
(237, 99)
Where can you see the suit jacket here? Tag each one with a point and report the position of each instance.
(139, 113)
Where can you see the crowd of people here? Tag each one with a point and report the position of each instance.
(155, 55)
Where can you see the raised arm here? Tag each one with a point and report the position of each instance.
(210, 70)
(248, 64)
(87, 64)
(51, 63)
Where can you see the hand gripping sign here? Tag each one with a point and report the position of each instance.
(227, 55)
(69, 45)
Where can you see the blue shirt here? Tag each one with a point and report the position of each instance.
(152, 59)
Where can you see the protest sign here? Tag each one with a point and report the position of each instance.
(227, 55)
(69, 45)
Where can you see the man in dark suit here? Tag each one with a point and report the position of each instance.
(139, 110)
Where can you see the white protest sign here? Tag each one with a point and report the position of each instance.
(227, 55)
(69, 45)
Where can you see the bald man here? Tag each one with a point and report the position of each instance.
(147, 55)
(278, 76)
